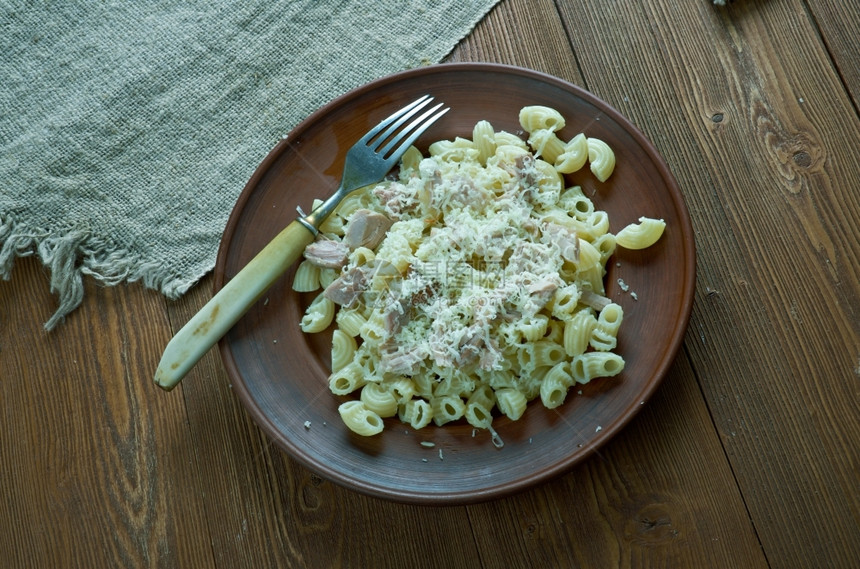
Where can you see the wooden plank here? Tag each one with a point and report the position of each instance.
(837, 25)
(91, 475)
(660, 494)
(525, 33)
(270, 511)
(616, 510)
(777, 270)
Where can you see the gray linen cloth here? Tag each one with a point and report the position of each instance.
(128, 129)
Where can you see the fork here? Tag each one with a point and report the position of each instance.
(367, 162)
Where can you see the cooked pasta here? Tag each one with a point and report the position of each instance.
(573, 156)
(548, 353)
(610, 318)
(553, 388)
(605, 244)
(327, 276)
(343, 348)
(506, 138)
(360, 419)
(577, 331)
(511, 402)
(350, 321)
(447, 408)
(589, 365)
(347, 379)
(416, 412)
(537, 117)
(457, 150)
(605, 331)
(546, 144)
(601, 159)
(486, 290)
(318, 315)
(307, 277)
(410, 159)
(479, 407)
(640, 235)
(403, 388)
(602, 341)
(378, 399)
(484, 138)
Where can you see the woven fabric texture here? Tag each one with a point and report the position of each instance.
(128, 129)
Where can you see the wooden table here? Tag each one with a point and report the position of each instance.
(748, 456)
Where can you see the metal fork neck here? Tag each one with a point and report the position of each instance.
(314, 219)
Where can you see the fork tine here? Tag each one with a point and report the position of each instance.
(402, 114)
(420, 124)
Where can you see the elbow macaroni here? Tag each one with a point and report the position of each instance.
(527, 319)
(601, 159)
(307, 277)
(318, 315)
(343, 347)
(360, 419)
(640, 235)
(538, 117)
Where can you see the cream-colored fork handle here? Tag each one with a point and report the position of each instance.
(229, 304)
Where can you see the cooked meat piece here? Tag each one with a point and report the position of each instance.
(396, 316)
(399, 361)
(541, 292)
(346, 289)
(491, 358)
(366, 229)
(565, 238)
(327, 253)
(594, 300)
(470, 349)
(525, 171)
(424, 295)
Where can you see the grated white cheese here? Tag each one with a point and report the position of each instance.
(497, 440)
(478, 264)
(488, 257)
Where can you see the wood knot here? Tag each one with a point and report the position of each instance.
(530, 528)
(652, 524)
(800, 156)
(310, 497)
(802, 159)
(795, 154)
(718, 121)
(311, 493)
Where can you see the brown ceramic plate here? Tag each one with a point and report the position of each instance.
(280, 374)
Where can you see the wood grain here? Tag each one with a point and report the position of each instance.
(836, 23)
(772, 199)
(747, 455)
(522, 33)
(318, 523)
(670, 506)
(649, 522)
(90, 476)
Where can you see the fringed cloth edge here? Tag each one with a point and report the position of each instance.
(74, 254)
